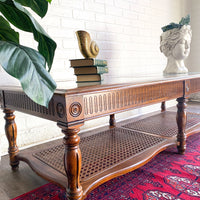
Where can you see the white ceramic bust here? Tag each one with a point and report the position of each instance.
(175, 45)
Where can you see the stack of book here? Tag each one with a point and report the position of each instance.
(89, 71)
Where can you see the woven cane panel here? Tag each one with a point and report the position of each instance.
(101, 151)
(163, 124)
(22, 101)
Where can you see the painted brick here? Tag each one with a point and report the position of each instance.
(60, 10)
(105, 18)
(72, 24)
(72, 4)
(72, 44)
(51, 21)
(60, 33)
(125, 4)
(83, 15)
(94, 7)
(111, 10)
(97, 26)
(106, 2)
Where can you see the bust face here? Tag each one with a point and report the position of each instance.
(182, 48)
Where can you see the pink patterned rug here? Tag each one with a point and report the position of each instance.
(167, 176)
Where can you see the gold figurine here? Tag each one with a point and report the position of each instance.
(88, 48)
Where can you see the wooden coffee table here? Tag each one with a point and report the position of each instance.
(87, 160)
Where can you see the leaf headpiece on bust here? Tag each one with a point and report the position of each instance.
(184, 21)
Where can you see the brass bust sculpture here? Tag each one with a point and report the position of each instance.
(88, 48)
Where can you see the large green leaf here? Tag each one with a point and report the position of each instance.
(46, 45)
(22, 19)
(27, 65)
(6, 32)
(14, 16)
(38, 6)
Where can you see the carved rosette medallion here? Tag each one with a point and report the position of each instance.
(60, 110)
(75, 109)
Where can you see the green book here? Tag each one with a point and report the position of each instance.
(90, 70)
(88, 62)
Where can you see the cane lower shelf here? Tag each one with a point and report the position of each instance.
(110, 152)
(163, 124)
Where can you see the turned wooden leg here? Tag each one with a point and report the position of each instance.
(72, 163)
(181, 122)
(112, 120)
(11, 133)
(163, 108)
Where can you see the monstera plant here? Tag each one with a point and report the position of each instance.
(31, 67)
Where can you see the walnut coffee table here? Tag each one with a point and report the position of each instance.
(85, 161)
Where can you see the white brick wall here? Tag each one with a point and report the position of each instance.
(193, 63)
(127, 32)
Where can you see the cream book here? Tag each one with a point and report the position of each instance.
(89, 77)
